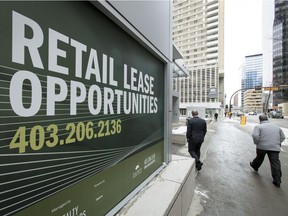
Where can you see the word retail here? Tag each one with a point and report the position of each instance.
(135, 96)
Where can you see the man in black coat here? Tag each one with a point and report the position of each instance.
(196, 131)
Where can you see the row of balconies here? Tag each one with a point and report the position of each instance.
(252, 102)
(213, 55)
(189, 35)
(187, 21)
(212, 50)
(212, 31)
(212, 37)
(196, 30)
(189, 26)
(211, 26)
(212, 43)
(184, 31)
(194, 43)
(212, 61)
(179, 12)
(253, 99)
(186, 18)
(188, 45)
(186, 10)
(255, 102)
(212, 14)
(185, 46)
(210, 2)
(253, 94)
(211, 20)
(211, 7)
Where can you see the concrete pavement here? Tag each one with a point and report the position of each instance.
(227, 185)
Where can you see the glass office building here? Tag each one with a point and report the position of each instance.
(280, 51)
(252, 73)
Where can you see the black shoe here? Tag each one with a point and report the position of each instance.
(199, 166)
(256, 170)
(277, 184)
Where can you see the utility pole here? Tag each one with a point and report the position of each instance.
(271, 88)
(267, 102)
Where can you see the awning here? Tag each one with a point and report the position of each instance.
(179, 68)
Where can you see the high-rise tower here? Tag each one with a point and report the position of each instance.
(280, 51)
(252, 73)
(198, 32)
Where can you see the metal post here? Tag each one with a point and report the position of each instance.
(234, 94)
(267, 102)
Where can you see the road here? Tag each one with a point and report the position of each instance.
(226, 185)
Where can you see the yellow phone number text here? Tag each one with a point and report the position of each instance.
(38, 136)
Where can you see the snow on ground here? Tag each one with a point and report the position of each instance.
(182, 129)
(179, 130)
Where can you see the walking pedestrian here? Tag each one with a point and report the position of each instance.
(196, 131)
(268, 138)
(216, 116)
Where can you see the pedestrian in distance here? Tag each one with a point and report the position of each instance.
(230, 115)
(196, 131)
(268, 138)
(216, 116)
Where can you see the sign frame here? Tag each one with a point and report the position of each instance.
(24, 74)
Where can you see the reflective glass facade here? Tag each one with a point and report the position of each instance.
(280, 50)
(252, 73)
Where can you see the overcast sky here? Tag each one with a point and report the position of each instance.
(243, 36)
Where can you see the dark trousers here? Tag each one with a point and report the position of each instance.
(275, 164)
(194, 150)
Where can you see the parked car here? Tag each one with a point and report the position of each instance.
(276, 114)
(252, 113)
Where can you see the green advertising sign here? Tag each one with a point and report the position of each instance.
(82, 108)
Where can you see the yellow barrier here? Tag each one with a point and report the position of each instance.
(243, 120)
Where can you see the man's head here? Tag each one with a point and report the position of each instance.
(263, 117)
(195, 113)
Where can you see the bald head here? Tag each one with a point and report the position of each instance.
(263, 117)
(195, 113)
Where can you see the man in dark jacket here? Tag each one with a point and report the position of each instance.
(268, 138)
(196, 131)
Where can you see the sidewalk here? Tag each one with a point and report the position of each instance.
(227, 185)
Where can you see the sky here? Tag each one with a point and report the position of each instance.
(243, 37)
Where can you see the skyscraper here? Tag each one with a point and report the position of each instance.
(198, 32)
(280, 50)
(252, 73)
(267, 41)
